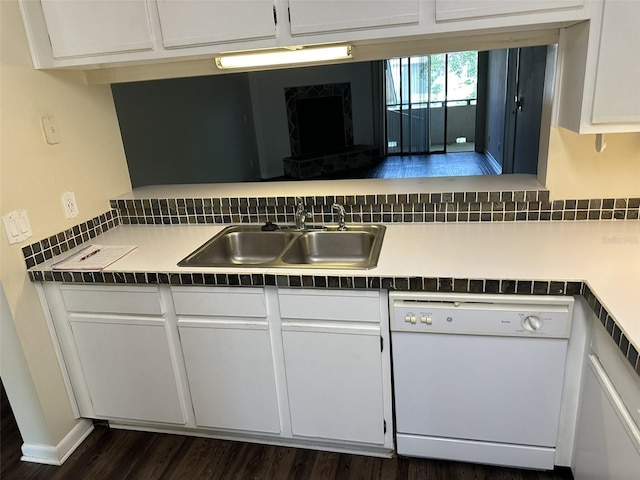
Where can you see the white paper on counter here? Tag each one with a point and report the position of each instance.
(94, 257)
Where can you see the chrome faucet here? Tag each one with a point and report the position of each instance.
(301, 214)
(340, 209)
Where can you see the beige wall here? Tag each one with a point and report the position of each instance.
(575, 170)
(90, 162)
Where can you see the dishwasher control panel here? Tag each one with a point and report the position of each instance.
(474, 315)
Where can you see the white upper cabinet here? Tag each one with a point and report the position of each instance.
(598, 71)
(468, 9)
(187, 23)
(616, 96)
(97, 27)
(321, 16)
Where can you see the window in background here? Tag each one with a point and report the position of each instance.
(430, 103)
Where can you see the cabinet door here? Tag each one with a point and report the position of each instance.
(469, 9)
(616, 98)
(231, 374)
(607, 440)
(84, 28)
(196, 22)
(319, 16)
(129, 369)
(334, 383)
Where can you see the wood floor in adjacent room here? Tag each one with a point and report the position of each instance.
(435, 165)
(126, 455)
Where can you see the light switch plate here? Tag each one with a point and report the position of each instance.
(51, 130)
(17, 226)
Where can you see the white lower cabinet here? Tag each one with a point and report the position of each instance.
(334, 384)
(231, 376)
(228, 356)
(129, 370)
(607, 445)
(333, 354)
(298, 367)
(120, 359)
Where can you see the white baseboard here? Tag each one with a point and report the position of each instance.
(56, 455)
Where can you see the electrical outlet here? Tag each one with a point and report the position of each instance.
(69, 205)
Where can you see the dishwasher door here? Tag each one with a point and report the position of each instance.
(479, 378)
(475, 398)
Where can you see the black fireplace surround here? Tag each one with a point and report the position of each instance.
(321, 132)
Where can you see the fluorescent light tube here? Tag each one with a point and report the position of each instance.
(284, 57)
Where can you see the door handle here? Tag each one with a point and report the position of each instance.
(519, 103)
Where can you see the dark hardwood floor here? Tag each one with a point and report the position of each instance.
(435, 165)
(417, 166)
(126, 455)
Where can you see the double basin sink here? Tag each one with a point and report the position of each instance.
(327, 247)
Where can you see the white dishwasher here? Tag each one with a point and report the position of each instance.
(478, 378)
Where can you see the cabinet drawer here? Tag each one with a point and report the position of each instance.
(348, 306)
(220, 302)
(127, 300)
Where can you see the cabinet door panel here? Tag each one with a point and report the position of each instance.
(129, 371)
(616, 98)
(317, 16)
(605, 446)
(83, 28)
(468, 9)
(334, 384)
(195, 22)
(231, 376)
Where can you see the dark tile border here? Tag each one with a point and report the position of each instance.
(627, 348)
(57, 244)
(489, 206)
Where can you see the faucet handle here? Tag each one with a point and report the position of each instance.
(341, 215)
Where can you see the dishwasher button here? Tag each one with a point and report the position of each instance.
(410, 318)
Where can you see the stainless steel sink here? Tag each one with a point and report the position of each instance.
(248, 246)
(239, 246)
(357, 247)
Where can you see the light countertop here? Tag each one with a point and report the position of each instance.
(604, 254)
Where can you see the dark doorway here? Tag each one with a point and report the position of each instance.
(513, 96)
(526, 110)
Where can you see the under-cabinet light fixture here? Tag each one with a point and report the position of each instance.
(297, 55)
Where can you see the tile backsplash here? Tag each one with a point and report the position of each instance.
(57, 244)
(490, 206)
